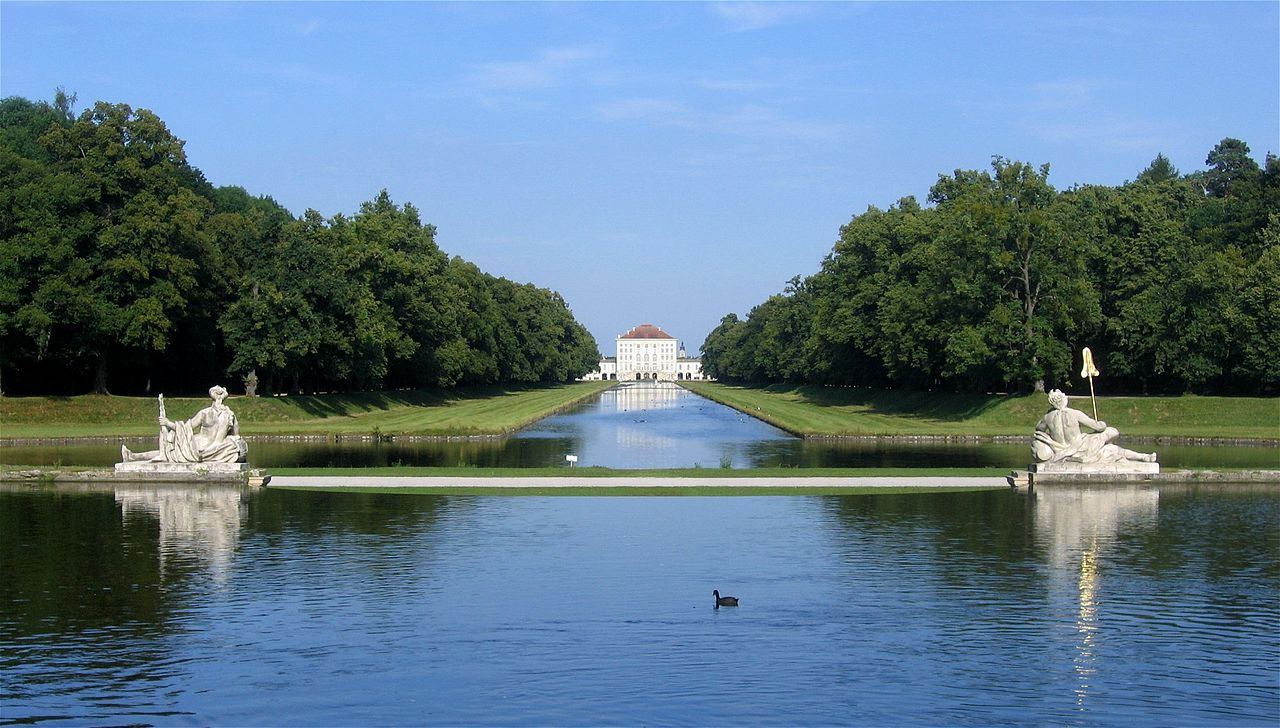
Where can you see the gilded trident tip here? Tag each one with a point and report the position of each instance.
(1088, 370)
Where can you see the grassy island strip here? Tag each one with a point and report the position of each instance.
(596, 481)
(459, 412)
(815, 411)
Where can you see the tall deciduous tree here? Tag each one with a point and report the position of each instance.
(1003, 231)
(111, 239)
(1230, 165)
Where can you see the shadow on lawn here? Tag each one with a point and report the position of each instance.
(358, 403)
(940, 406)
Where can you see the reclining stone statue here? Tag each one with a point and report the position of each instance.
(1066, 435)
(218, 439)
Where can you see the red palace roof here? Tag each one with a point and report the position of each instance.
(646, 331)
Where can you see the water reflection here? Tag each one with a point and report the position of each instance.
(656, 425)
(195, 523)
(1075, 520)
(1076, 524)
(1064, 606)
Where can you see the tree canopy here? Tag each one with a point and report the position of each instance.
(122, 267)
(1171, 279)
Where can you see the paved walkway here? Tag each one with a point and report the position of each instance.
(389, 481)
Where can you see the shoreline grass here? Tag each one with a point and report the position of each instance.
(473, 411)
(813, 411)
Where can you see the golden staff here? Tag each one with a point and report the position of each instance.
(1090, 371)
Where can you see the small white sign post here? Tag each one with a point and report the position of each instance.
(571, 459)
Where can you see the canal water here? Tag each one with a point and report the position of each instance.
(1126, 605)
(653, 425)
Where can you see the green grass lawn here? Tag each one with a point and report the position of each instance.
(805, 410)
(469, 411)
(814, 410)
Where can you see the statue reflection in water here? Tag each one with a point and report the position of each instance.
(197, 523)
(1078, 524)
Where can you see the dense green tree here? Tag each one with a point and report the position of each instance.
(1171, 280)
(108, 239)
(786, 333)
(852, 287)
(1257, 321)
(722, 348)
(1229, 165)
(1160, 170)
(1019, 282)
(291, 325)
(118, 259)
(402, 312)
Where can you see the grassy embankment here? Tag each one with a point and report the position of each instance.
(852, 411)
(803, 410)
(471, 411)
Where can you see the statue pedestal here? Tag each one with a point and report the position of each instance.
(181, 472)
(1122, 472)
(1126, 467)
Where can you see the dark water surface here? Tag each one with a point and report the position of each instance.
(1128, 605)
(648, 426)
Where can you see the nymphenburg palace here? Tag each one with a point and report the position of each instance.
(648, 352)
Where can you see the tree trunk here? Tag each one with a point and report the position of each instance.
(100, 376)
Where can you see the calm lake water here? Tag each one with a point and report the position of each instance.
(647, 426)
(1127, 605)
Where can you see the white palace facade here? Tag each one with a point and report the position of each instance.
(648, 352)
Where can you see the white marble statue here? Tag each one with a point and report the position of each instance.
(1066, 435)
(218, 439)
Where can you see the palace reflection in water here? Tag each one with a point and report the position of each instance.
(658, 425)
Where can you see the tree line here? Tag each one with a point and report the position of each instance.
(122, 267)
(1173, 280)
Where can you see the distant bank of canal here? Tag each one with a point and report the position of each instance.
(643, 426)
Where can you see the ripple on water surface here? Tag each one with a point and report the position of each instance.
(958, 609)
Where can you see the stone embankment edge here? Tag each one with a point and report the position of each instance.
(746, 483)
(38, 475)
(1023, 478)
(408, 481)
(623, 482)
(352, 437)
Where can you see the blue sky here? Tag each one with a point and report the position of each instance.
(657, 162)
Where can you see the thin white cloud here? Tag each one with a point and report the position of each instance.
(746, 16)
(308, 27)
(547, 69)
(644, 109)
(1108, 134)
(736, 85)
(753, 121)
(1065, 93)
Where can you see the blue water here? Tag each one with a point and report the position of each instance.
(1128, 605)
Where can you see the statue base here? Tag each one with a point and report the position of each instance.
(1062, 472)
(1126, 467)
(153, 467)
(182, 472)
